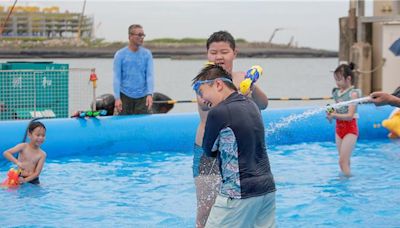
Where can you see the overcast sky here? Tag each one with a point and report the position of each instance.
(310, 23)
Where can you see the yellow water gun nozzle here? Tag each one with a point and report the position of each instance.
(245, 86)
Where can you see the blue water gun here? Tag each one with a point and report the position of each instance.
(251, 77)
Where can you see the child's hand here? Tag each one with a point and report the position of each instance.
(21, 180)
(330, 116)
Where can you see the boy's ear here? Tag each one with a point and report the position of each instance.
(220, 84)
(235, 52)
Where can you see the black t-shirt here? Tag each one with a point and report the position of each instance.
(235, 132)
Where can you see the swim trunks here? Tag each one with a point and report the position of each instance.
(34, 181)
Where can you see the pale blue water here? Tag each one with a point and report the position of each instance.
(156, 190)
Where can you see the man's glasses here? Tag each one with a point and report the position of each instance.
(141, 35)
(196, 85)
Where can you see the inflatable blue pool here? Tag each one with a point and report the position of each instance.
(135, 171)
(176, 132)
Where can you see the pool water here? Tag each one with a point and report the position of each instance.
(156, 189)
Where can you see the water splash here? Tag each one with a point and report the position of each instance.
(286, 121)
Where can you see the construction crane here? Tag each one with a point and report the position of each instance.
(3, 25)
(273, 34)
(80, 20)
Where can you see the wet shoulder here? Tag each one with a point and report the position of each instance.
(356, 93)
(23, 147)
(42, 154)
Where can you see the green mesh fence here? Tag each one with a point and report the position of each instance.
(44, 89)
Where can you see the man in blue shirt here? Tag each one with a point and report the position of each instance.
(234, 132)
(133, 75)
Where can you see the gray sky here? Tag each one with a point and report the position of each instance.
(311, 23)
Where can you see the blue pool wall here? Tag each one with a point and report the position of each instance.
(176, 132)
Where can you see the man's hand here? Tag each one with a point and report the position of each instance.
(118, 105)
(380, 98)
(149, 102)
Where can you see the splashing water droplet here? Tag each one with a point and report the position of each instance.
(286, 121)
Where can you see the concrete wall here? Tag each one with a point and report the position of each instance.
(387, 77)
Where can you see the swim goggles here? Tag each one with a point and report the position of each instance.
(197, 84)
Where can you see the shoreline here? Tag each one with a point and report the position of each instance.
(167, 51)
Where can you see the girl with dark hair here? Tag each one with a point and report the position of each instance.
(346, 116)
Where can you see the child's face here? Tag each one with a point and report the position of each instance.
(221, 54)
(341, 81)
(209, 93)
(38, 136)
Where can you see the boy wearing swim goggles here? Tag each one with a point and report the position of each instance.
(234, 134)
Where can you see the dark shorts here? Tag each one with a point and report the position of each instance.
(34, 181)
(202, 164)
(133, 105)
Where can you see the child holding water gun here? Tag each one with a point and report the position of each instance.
(234, 133)
(221, 50)
(346, 116)
(31, 157)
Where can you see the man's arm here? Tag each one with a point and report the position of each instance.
(117, 75)
(382, 98)
(149, 81)
(150, 75)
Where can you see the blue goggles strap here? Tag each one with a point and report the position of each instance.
(196, 85)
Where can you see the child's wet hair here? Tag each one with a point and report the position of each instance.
(346, 70)
(213, 71)
(221, 36)
(35, 124)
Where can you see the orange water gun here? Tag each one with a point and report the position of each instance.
(12, 178)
